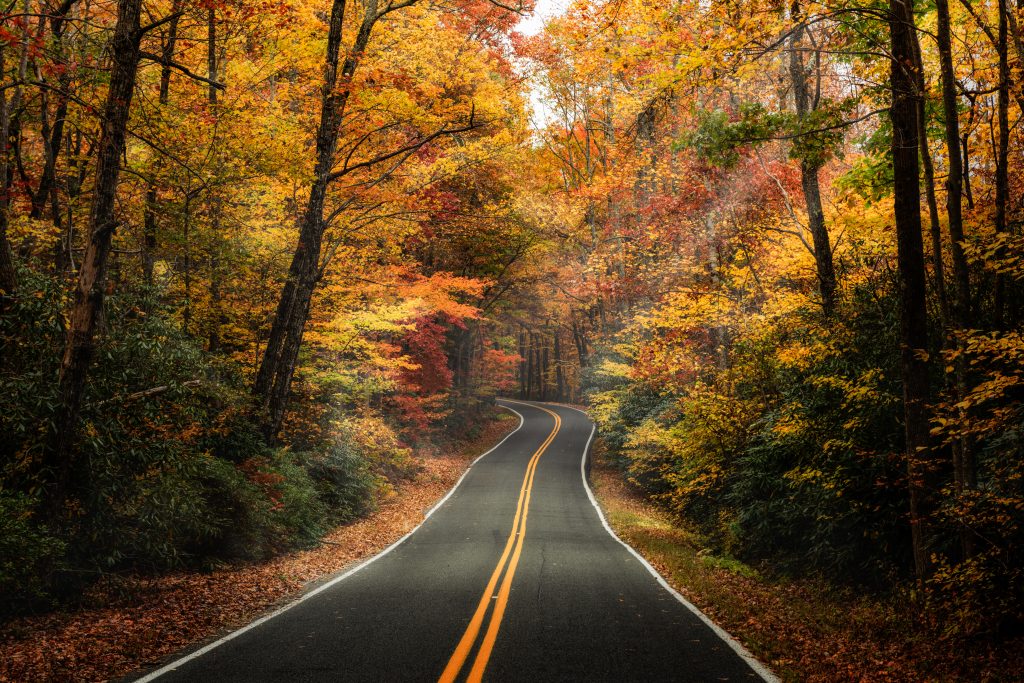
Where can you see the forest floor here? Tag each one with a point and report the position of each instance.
(804, 630)
(141, 620)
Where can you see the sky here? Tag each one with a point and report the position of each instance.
(532, 25)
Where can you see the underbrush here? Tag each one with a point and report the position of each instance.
(169, 470)
(806, 628)
(784, 449)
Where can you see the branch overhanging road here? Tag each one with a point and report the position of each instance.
(515, 576)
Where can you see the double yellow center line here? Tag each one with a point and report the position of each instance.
(508, 562)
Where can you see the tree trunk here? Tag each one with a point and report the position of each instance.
(214, 203)
(8, 274)
(523, 370)
(529, 367)
(88, 304)
(910, 247)
(934, 227)
(1002, 158)
(149, 222)
(544, 371)
(954, 178)
(273, 381)
(53, 136)
(559, 374)
(804, 103)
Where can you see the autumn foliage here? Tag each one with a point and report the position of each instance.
(253, 254)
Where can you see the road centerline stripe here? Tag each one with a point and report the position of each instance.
(513, 546)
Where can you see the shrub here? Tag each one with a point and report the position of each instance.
(28, 554)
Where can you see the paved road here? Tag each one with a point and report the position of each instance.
(513, 578)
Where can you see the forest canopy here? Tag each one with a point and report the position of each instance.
(253, 254)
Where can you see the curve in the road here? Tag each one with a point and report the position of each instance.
(330, 583)
(570, 599)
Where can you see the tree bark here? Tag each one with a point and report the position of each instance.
(934, 226)
(804, 103)
(1002, 157)
(216, 306)
(149, 222)
(559, 373)
(544, 372)
(529, 366)
(910, 248)
(8, 274)
(273, 381)
(954, 179)
(523, 372)
(89, 293)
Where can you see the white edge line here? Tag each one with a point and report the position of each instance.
(755, 664)
(153, 675)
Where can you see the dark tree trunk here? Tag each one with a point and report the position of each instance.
(968, 194)
(149, 222)
(273, 381)
(1002, 158)
(88, 304)
(910, 247)
(214, 203)
(559, 373)
(523, 369)
(934, 227)
(579, 339)
(544, 371)
(149, 235)
(8, 274)
(954, 178)
(53, 136)
(529, 367)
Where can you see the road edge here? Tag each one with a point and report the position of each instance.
(174, 664)
(734, 644)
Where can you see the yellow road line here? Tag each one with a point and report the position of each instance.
(515, 540)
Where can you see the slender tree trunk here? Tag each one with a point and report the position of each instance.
(186, 234)
(1002, 157)
(910, 247)
(544, 372)
(149, 222)
(804, 103)
(88, 304)
(968, 194)
(579, 339)
(961, 448)
(934, 227)
(529, 366)
(273, 381)
(523, 370)
(216, 305)
(52, 142)
(954, 178)
(559, 374)
(8, 274)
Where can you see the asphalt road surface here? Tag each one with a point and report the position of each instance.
(514, 577)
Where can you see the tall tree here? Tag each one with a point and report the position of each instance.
(124, 50)
(954, 173)
(910, 256)
(805, 102)
(280, 358)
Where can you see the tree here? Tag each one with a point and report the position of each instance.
(125, 53)
(913, 308)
